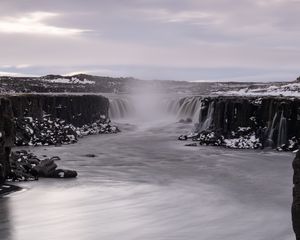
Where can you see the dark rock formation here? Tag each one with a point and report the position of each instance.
(269, 121)
(54, 131)
(6, 137)
(25, 166)
(30, 119)
(296, 196)
(75, 109)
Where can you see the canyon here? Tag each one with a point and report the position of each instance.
(147, 178)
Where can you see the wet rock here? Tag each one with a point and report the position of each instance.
(55, 158)
(90, 155)
(2, 175)
(45, 168)
(191, 145)
(296, 196)
(183, 138)
(25, 166)
(7, 189)
(62, 173)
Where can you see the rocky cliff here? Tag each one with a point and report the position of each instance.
(75, 109)
(6, 137)
(49, 118)
(269, 121)
(296, 196)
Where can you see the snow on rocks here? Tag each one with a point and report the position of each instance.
(68, 80)
(55, 131)
(244, 138)
(25, 166)
(289, 89)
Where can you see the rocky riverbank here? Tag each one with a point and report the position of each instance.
(242, 122)
(42, 120)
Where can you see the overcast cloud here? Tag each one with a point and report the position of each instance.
(150, 39)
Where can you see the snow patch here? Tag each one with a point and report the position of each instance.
(73, 80)
(291, 89)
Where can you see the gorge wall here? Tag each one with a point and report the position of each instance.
(75, 109)
(275, 121)
(6, 137)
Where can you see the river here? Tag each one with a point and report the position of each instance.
(143, 184)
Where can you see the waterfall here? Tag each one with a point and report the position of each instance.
(272, 128)
(282, 131)
(120, 108)
(209, 118)
(197, 118)
(188, 107)
(192, 107)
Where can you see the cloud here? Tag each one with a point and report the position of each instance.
(192, 17)
(35, 23)
(141, 34)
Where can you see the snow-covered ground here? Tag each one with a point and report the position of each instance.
(72, 80)
(290, 89)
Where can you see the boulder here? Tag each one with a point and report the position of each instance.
(62, 173)
(46, 168)
(182, 138)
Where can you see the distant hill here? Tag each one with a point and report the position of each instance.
(84, 83)
(95, 84)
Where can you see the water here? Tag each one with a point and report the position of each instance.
(144, 184)
(282, 131)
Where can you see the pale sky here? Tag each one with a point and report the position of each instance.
(246, 40)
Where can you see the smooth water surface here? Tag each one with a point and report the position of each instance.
(144, 184)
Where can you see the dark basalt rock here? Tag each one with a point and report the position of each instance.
(182, 138)
(25, 166)
(7, 189)
(296, 196)
(249, 122)
(90, 155)
(62, 173)
(191, 145)
(73, 109)
(46, 120)
(6, 137)
(45, 168)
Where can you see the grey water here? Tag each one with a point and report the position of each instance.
(144, 184)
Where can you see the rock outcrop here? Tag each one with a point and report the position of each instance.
(6, 137)
(75, 109)
(26, 166)
(296, 196)
(273, 121)
(32, 119)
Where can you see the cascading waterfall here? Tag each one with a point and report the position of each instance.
(189, 107)
(272, 129)
(282, 131)
(209, 118)
(192, 108)
(279, 127)
(120, 108)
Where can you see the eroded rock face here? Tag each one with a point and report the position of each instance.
(6, 137)
(56, 114)
(247, 122)
(75, 109)
(296, 196)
